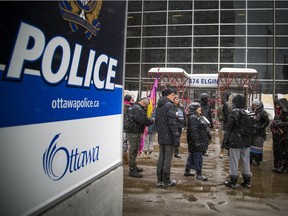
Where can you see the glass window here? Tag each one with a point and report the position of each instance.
(281, 16)
(154, 18)
(186, 67)
(133, 42)
(260, 56)
(179, 41)
(232, 65)
(205, 68)
(133, 19)
(281, 4)
(260, 30)
(205, 42)
(232, 55)
(131, 84)
(200, 4)
(132, 55)
(179, 30)
(206, 30)
(264, 71)
(260, 16)
(281, 41)
(180, 5)
(232, 29)
(232, 42)
(155, 5)
(153, 55)
(154, 31)
(237, 16)
(180, 17)
(232, 4)
(205, 55)
(132, 70)
(134, 6)
(282, 73)
(133, 31)
(146, 67)
(260, 42)
(179, 55)
(281, 29)
(205, 17)
(154, 42)
(282, 56)
(260, 4)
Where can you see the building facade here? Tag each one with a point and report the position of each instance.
(204, 36)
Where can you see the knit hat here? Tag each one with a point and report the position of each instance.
(204, 96)
(167, 92)
(127, 97)
(256, 102)
(193, 107)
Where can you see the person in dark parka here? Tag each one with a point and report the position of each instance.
(135, 121)
(168, 136)
(197, 139)
(239, 146)
(279, 128)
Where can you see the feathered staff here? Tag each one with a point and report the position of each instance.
(150, 109)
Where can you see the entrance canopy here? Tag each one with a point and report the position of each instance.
(176, 78)
(241, 79)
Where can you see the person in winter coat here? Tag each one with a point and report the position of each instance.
(256, 153)
(279, 128)
(207, 112)
(197, 139)
(239, 145)
(168, 136)
(135, 122)
(181, 121)
(128, 101)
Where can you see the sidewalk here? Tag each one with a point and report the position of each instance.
(268, 195)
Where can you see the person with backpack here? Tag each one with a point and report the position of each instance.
(256, 153)
(238, 138)
(279, 129)
(135, 121)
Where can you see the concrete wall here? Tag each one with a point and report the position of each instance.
(102, 197)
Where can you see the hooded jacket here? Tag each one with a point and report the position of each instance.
(136, 119)
(232, 136)
(262, 120)
(279, 126)
(166, 123)
(197, 132)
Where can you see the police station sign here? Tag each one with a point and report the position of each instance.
(61, 68)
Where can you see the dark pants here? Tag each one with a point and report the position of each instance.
(164, 162)
(195, 161)
(280, 152)
(176, 149)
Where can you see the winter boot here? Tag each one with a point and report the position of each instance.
(246, 181)
(160, 179)
(188, 173)
(167, 182)
(139, 169)
(133, 173)
(232, 183)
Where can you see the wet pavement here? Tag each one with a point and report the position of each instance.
(267, 196)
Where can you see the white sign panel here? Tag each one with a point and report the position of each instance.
(203, 80)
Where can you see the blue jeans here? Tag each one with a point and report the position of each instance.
(195, 161)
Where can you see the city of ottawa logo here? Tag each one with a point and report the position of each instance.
(84, 13)
(59, 161)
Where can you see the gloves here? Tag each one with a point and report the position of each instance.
(225, 145)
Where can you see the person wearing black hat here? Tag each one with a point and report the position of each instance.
(197, 139)
(135, 121)
(168, 136)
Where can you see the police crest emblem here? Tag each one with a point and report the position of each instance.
(84, 13)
